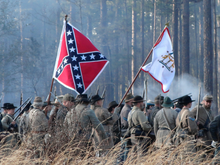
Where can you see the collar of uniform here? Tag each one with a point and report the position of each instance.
(136, 108)
(128, 106)
(208, 109)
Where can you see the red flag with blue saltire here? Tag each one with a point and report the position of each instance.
(79, 62)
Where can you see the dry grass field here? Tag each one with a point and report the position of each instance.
(74, 153)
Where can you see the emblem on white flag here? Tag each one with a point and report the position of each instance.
(162, 67)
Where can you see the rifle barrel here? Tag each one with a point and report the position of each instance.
(21, 105)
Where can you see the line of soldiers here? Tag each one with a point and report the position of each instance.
(86, 124)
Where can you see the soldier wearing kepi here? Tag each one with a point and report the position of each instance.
(38, 126)
(105, 117)
(204, 118)
(124, 113)
(138, 124)
(81, 122)
(164, 124)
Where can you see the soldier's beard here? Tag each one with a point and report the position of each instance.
(207, 106)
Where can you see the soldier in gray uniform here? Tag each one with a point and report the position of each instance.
(204, 118)
(139, 127)
(38, 126)
(8, 122)
(10, 127)
(105, 117)
(82, 121)
(23, 124)
(124, 113)
(186, 126)
(164, 124)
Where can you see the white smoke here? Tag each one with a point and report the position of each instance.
(183, 85)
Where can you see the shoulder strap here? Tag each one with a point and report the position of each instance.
(167, 121)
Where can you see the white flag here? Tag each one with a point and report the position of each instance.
(162, 67)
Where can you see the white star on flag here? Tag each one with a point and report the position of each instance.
(101, 55)
(77, 76)
(70, 41)
(74, 58)
(58, 71)
(83, 57)
(65, 61)
(92, 57)
(75, 67)
(79, 85)
(62, 66)
(69, 33)
(72, 49)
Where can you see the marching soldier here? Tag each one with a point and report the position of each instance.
(138, 124)
(164, 124)
(10, 126)
(116, 126)
(81, 121)
(158, 102)
(186, 126)
(105, 117)
(8, 122)
(38, 126)
(204, 117)
(23, 124)
(124, 113)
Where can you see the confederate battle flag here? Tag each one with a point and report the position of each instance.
(79, 62)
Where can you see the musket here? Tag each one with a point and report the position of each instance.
(174, 100)
(97, 91)
(103, 93)
(27, 100)
(25, 105)
(197, 112)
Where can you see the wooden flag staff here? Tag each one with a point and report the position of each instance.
(159, 38)
(51, 87)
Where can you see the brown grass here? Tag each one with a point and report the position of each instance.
(74, 153)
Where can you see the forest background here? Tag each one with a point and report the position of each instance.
(124, 31)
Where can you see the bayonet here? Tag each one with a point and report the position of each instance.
(97, 91)
(103, 93)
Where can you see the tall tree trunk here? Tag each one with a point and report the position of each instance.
(21, 46)
(142, 36)
(215, 61)
(201, 57)
(185, 48)
(180, 41)
(104, 41)
(133, 41)
(154, 21)
(175, 34)
(208, 51)
(128, 45)
(196, 39)
(117, 50)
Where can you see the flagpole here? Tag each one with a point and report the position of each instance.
(51, 87)
(167, 24)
